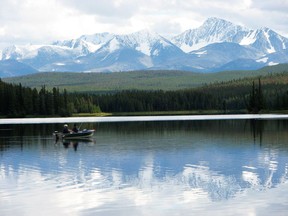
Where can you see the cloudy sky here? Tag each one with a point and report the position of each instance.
(44, 21)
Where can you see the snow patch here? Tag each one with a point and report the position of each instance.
(204, 52)
(249, 39)
(60, 64)
(114, 45)
(146, 61)
(283, 45)
(156, 53)
(272, 63)
(186, 48)
(164, 43)
(93, 47)
(271, 49)
(144, 48)
(31, 51)
(264, 60)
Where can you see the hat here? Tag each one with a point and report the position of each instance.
(65, 125)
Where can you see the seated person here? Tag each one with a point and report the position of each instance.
(65, 129)
(75, 129)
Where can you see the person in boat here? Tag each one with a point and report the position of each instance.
(66, 129)
(75, 129)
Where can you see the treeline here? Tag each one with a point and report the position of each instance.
(19, 101)
(252, 95)
(149, 101)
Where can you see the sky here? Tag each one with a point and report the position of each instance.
(44, 21)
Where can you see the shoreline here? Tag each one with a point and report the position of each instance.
(142, 118)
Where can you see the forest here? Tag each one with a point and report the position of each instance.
(19, 101)
(249, 95)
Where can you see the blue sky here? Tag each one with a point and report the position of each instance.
(44, 21)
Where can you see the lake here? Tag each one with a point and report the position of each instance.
(205, 167)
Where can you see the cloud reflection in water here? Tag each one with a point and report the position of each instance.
(167, 172)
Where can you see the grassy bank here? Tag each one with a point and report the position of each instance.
(161, 113)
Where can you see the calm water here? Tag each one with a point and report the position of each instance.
(228, 167)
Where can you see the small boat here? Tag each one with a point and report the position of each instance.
(83, 134)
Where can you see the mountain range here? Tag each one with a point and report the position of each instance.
(216, 45)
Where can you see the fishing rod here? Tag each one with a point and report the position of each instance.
(80, 125)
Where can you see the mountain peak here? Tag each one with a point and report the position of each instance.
(215, 43)
(217, 24)
(144, 41)
(98, 38)
(215, 20)
(213, 30)
(145, 35)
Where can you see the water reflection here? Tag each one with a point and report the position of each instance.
(67, 143)
(162, 168)
(257, 127)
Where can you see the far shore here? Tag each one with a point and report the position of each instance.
(78, 119)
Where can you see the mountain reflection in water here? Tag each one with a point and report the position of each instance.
(164, 168)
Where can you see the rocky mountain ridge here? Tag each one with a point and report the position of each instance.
(216, 45)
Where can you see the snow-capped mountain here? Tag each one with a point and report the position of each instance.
(216, 30)
(265, 40)
(213, 30)
(216, 45)
(86, 43)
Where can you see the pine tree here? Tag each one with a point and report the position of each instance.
(256, 102)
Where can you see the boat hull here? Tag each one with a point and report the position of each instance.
(79, 135)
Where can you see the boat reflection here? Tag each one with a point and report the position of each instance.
(67, 143)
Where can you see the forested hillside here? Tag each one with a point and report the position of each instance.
(135, 80)
(267, 93)
(263, 93)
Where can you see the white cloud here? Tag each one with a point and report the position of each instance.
(2, 31)
(280, 6)
(111, 8)
(30, 21)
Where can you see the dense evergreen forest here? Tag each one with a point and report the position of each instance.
(250, 98)
(19, 101)
(252, 95)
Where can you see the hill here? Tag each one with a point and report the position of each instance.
(136, 80)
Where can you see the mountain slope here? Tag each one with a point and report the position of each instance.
(12, 68)
(216, 45)
(265, 40)
(215, 55)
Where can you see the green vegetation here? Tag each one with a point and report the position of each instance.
(234, 96)
(266, 92)
(136, 80)
(19, 101)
